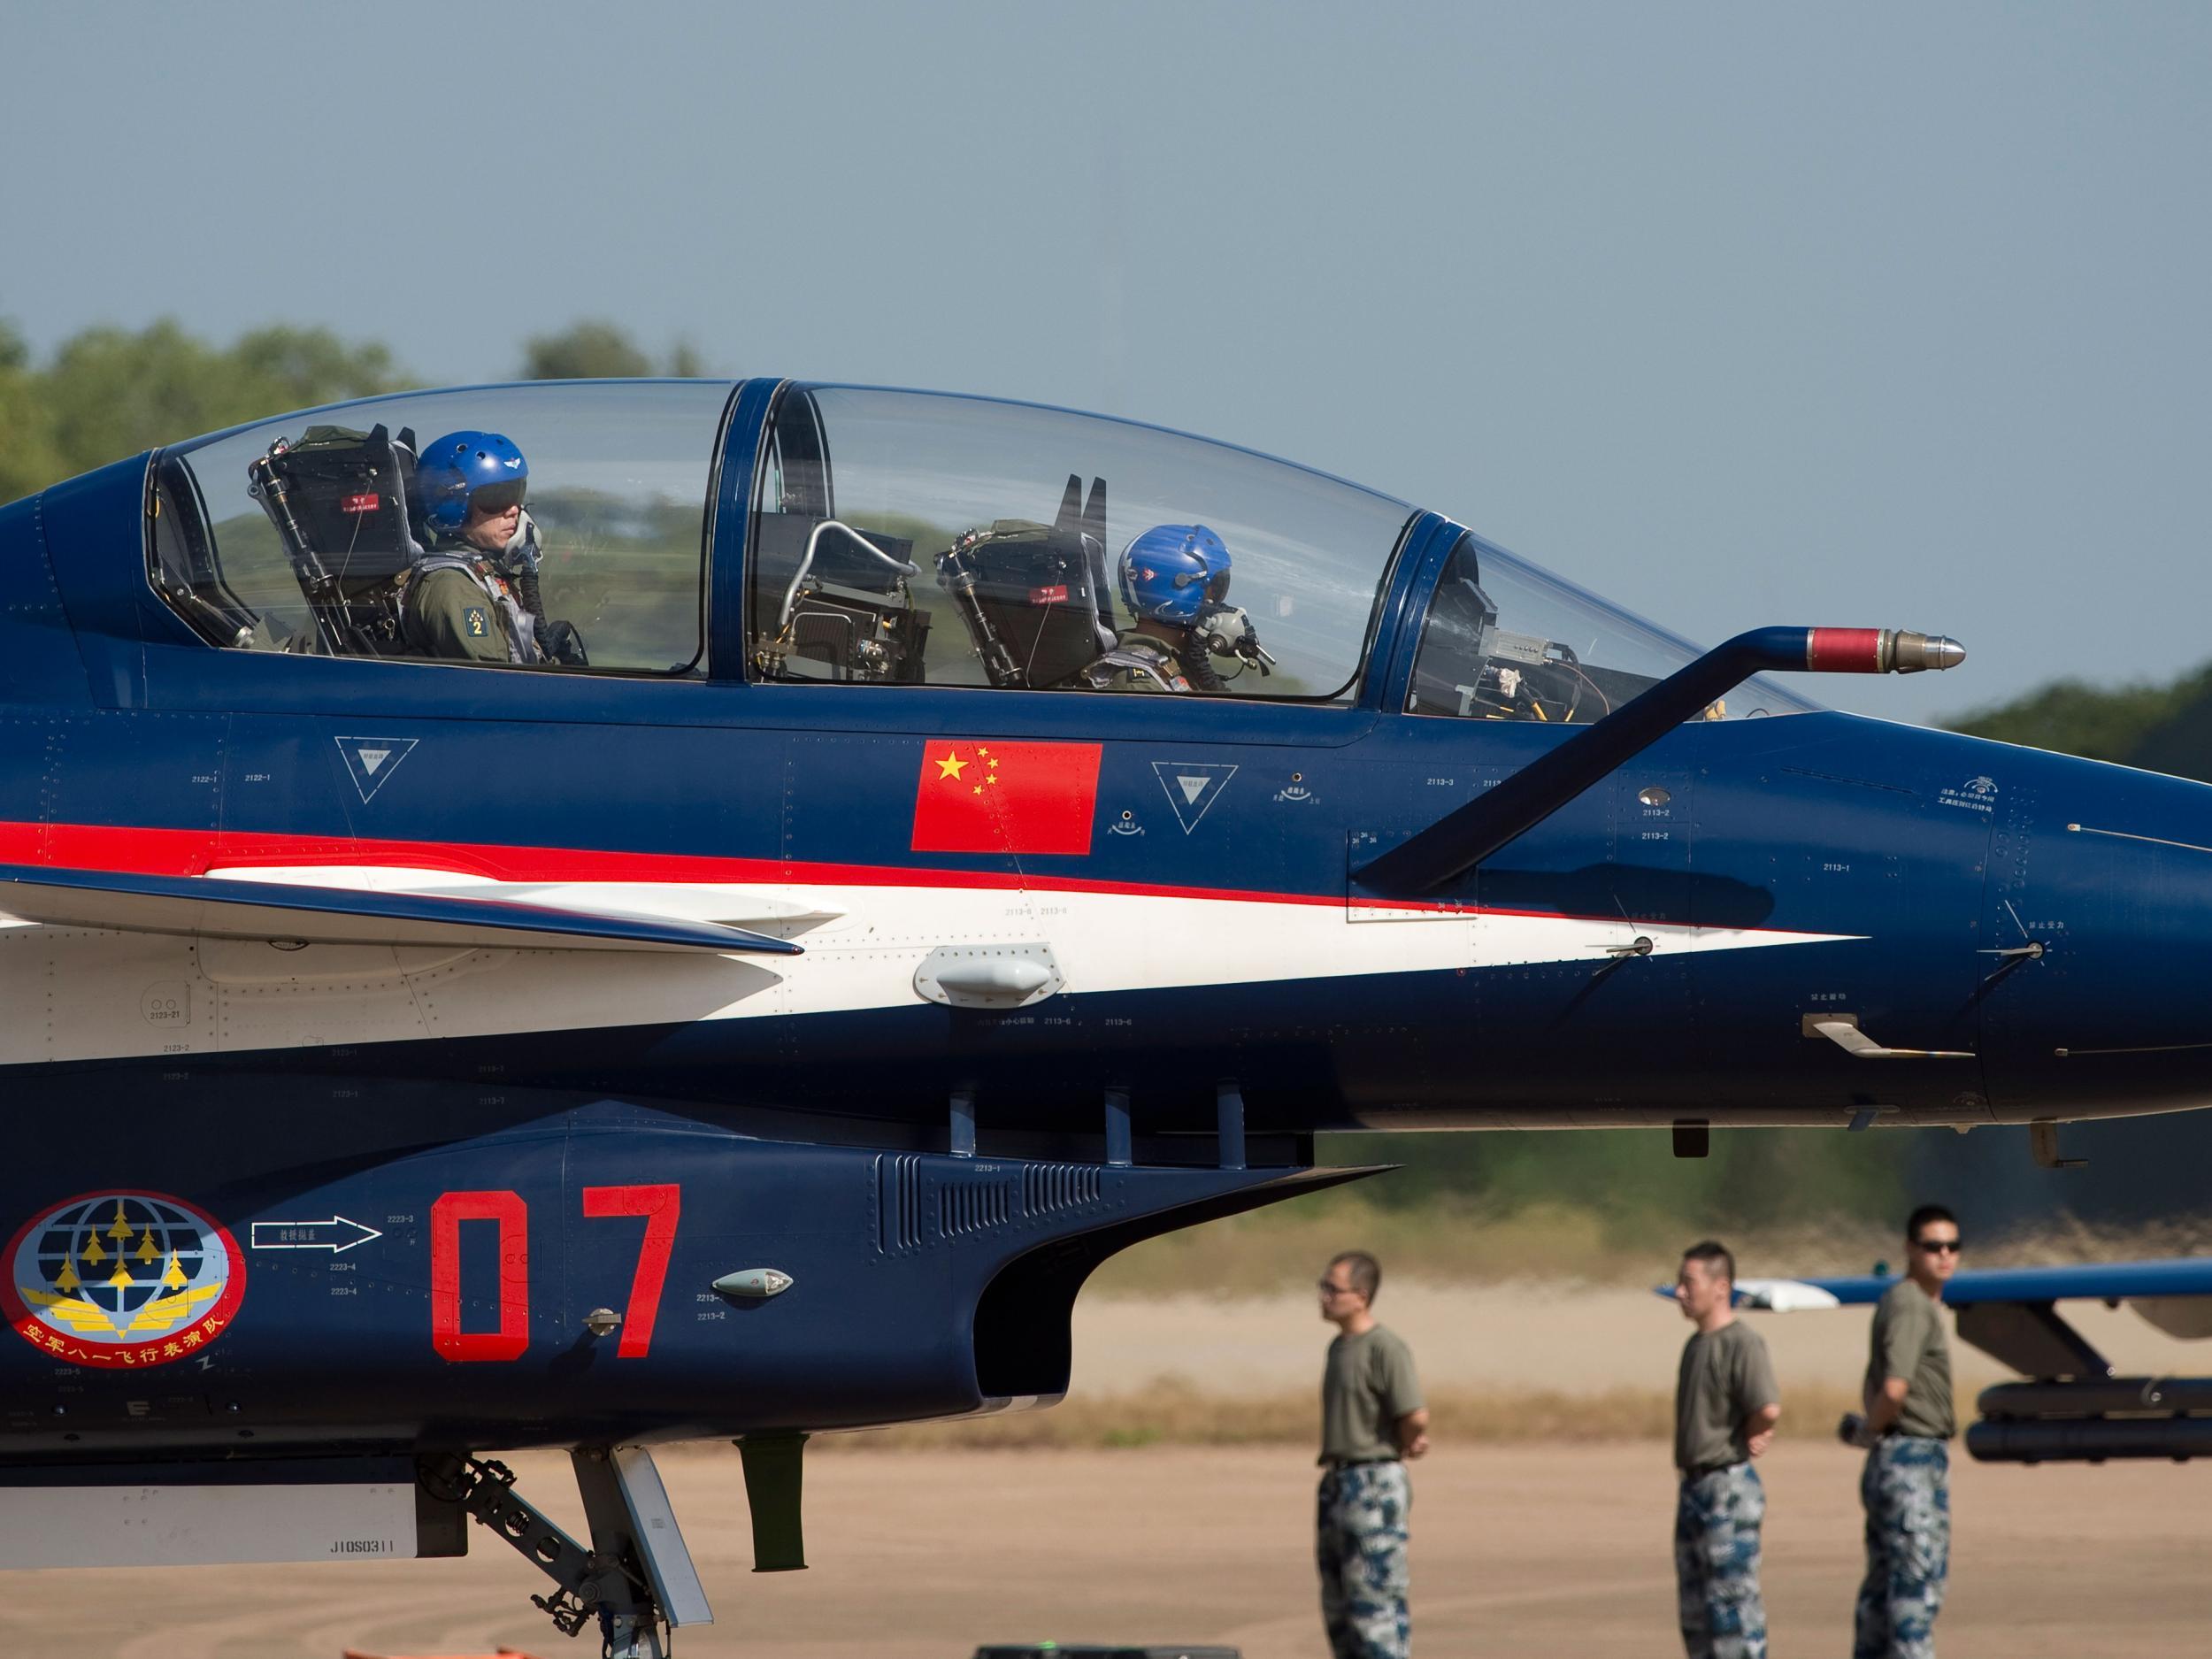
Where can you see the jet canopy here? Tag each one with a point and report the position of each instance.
(854, 536)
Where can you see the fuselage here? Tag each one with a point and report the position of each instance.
(1801, 866)
(1202, 927)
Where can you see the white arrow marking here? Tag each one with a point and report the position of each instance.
(276, 1233)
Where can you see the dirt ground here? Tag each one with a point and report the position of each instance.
(1518, 1550)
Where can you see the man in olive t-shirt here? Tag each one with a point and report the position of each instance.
(1371, 1419)
(1906, 1488)
(1725, 1407)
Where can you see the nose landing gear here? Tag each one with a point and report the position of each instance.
(636, 1579)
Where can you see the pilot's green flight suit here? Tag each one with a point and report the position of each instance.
(451, 614)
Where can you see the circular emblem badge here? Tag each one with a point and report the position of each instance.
(122, 1279)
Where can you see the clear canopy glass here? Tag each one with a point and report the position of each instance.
(328, 533)
(1505, 640)
(905, 538)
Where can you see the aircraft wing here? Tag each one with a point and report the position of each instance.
(228, 908)
(2177, 1277)
(2098, 1281)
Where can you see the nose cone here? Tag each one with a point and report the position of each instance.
(1941, 652)
(1912, 653)
(2098, 943)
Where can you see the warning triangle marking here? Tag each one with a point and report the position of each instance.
(371, 760)
(1191, 786)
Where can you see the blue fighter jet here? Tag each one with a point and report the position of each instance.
(588, 915)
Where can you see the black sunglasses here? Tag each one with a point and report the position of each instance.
(1934, 1245)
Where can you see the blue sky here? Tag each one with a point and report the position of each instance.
(1887, 315)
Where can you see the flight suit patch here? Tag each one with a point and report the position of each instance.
(473, 623)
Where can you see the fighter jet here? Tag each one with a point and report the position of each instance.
(588, 915)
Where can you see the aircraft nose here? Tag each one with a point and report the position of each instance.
(2097, 939)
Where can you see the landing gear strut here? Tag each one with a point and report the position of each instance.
(636, 1579)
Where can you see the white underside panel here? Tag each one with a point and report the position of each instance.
(183, 1526)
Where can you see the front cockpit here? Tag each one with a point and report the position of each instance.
(1504, 640)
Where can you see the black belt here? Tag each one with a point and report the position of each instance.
(1337, 1466)
(1703, 1470)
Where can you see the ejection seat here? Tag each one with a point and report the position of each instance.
(340, 502)
(1033, 596)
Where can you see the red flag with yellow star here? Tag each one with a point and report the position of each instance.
(994, 797)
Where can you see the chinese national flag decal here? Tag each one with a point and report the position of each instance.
(992, 797)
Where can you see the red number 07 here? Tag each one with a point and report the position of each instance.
(659, 1205)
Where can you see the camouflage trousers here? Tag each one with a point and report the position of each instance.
(1907, 1492)
(1716, 1524)
(1360, 1547)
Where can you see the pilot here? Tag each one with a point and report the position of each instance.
(1175, 582)
(474, 595)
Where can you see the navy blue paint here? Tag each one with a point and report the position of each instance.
(891, 1317)
(736, 464)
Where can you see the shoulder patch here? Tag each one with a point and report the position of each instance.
(474, 623)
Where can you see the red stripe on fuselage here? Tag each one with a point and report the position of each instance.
(137, 850)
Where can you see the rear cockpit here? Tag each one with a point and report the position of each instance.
(313, 535)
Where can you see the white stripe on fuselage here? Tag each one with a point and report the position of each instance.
(147, 994)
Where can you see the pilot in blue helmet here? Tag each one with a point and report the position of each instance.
(1175, 582)
(474, 595)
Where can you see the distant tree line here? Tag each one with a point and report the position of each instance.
(106, 393)
(2161, 727)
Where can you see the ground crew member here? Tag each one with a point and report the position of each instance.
(1907, 1428)
(1725, 1407)
(1371, 1421)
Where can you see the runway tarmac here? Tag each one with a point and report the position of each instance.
(1518, 1550)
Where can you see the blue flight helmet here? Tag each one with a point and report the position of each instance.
(465, 469)
(1173, 572)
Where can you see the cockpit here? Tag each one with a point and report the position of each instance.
(884, 538)
(323, 533)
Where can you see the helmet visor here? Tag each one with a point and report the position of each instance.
(1217, 589)
(496, 498)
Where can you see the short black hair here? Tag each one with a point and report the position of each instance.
(1366, 1272)
(1709, 1251)
(1922, 1217)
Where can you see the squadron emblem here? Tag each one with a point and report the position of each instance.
(122, 1279)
